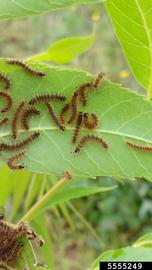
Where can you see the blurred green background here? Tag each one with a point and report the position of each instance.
(120, 216)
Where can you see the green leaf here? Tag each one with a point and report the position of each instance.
(25, 8)
(65, 50)
(124, 254)
(144, 241)
(72, 191)
(123, 115)
(132, 21)
(6, 185)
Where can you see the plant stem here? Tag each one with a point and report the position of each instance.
(29, 215)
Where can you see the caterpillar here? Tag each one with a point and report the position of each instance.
(90, 138)
(26, 67)
(78, 126)
(82, 91)
(90, 124)
(12, 162)
(98, 79)
(73, 106)
(140, 146)
(6, 80)
(3, 121)
(54, 116)
(47, 98)
(16, 117)
(9, 102)
(5, 267)
(20, 144)
(25, 117)
(63, 112)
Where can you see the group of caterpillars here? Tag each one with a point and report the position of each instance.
(26, 109)
(10, 242)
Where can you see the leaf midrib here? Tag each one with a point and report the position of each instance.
(103, 131)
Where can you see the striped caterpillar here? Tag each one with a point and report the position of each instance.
(90, 124)
(9, 102)
(140, 146)
(3, 121)
(81, 92)
(6, 80)
(54, 116)
(90, 138)
(78, 126)
(16, 117)
(25, 117)
(63, 112)
(47, 98)
(12, 162)
(26, 67)
(20, 144)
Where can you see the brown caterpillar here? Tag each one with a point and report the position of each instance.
(20, 144)
(3, 121)
(15, 119)
(54, 116)
(6, 80)
(140, 146)
(11, 246)
(90, 138)
(78, 127)
(12, 162)
(81, 92)
(68, 175)
(73, 106)
(9, 101)
(25, 117)
(90, 124)
(99, 79)
(47, 98)
(26, 67)
(63, 112)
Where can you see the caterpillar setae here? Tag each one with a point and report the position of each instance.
(3, 121)
(63, 112)
(9, 101)
(16, 117)
(140, 146)
(90, 138)
(12, 162)
(25, 117)
(90, 124)
(20, 144)
(54, 116)
(6, 80)
(78, 126)
(26, 67)
(47, 98)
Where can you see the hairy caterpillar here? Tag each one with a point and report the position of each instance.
(54, 116)
(25, 117)
(90, 124)
(47, 98)
(90, 138)
(15, 119)
(26, 67)
(78, 126)
(63, 112)
(3, 121)
(12, 162)
(20, 144)
(140, 146)
(9, 101)
(6, 80)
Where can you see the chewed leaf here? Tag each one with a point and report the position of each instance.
(123, 116)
